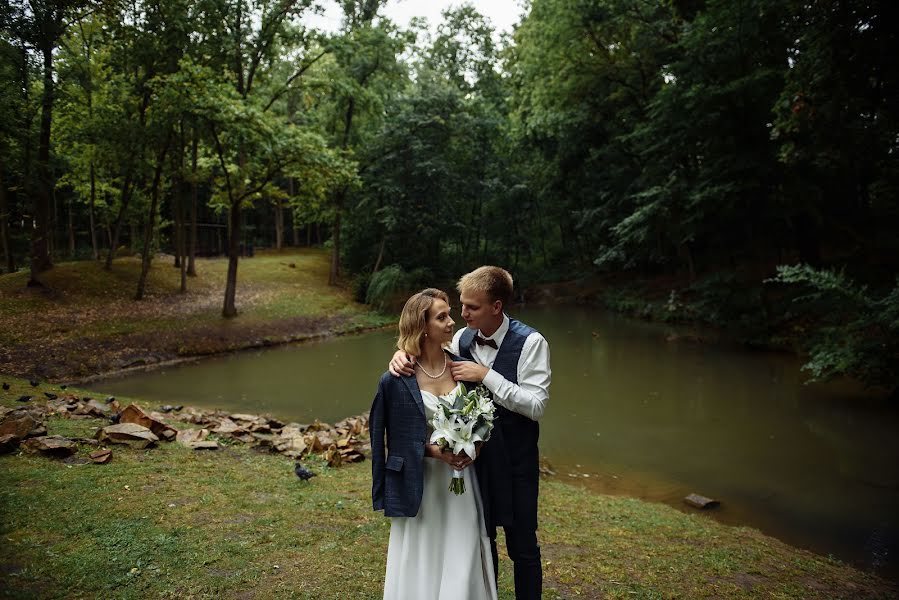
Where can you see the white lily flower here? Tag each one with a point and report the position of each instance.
(467, 439)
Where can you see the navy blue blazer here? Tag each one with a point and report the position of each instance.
(398, 478)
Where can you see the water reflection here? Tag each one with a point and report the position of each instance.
(632, 413)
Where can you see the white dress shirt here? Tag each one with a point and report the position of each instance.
(529, 396)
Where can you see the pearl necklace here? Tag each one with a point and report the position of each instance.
(438, 375)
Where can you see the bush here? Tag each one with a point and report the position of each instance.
(859, 332)
(389, 288)
(383, 287)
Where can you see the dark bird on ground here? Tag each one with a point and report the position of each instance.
(166, 408)
(33, 383)
(302, 472)
(179, 407)
(5, 386)
(109, 399)
(51, 395)
(24, 398)
(62, 387)
(114, 418)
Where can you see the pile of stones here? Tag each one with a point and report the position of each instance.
(345, 441)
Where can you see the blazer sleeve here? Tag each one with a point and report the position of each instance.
(377, 421)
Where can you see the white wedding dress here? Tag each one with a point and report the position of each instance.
(443, 552)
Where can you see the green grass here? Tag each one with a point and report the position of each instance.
(168, 522)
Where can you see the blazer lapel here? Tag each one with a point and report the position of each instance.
(412, 384)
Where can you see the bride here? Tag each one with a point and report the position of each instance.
(438, 547)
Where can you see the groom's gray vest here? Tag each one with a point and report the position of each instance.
(511, 476)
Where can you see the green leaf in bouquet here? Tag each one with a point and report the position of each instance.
(483, 430)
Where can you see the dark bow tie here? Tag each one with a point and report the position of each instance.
(482, 342)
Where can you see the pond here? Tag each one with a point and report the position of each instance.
(631, 412)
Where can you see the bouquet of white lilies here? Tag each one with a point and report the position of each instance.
(462, 420)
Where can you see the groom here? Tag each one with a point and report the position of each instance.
(512, 360)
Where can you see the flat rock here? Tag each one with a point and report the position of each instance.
(55, 445)
(93, 408)
(701, 501)
(132, 434)
(260, 427)
(20, 424)
(226, 425)
(245, 417)
(8, 443)
(102, 456)
(134, 414)
(264, 440)
(292, 446)
(203, 445)
(186, 436)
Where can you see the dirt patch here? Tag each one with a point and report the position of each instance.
(82, 359)
(9, 568)
(746, 581)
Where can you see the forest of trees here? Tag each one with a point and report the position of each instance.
(707, 141)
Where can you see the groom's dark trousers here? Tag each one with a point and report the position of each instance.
(512, 480)
(508, 472)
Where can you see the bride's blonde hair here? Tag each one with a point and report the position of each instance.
(414, 319)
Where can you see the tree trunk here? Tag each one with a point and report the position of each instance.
(279, 223)
(40, 233)
(127, 190)
(8, 259)
(148, 226)
(132, 237)
(71, 228)
(90, 212)
(176, 225)
(335, 241)
(380, 254)
(180, 199)
(192, 245)
(686, 253)
(229, 309)
(291, 187)
(182, 236)
(108, 226)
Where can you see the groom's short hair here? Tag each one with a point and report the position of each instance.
(494, 281)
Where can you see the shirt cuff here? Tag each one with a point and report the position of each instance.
(492, 380)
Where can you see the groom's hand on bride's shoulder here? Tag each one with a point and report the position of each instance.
(465, 370)
(401, 364)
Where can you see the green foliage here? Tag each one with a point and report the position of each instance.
(389, 288)
(860, 333)
(680, 140)
(384, 285)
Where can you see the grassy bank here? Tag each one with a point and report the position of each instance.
(169, 522)
(84, 320)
